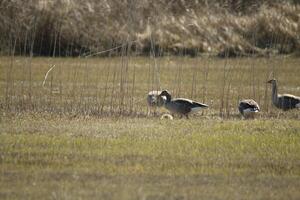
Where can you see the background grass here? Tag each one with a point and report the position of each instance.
(219, 27)
(118, 86)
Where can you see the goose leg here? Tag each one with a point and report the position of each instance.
(148, 111)
(187, 117)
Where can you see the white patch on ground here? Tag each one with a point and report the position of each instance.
(166, 116)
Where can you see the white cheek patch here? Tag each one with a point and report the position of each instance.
(164, 98)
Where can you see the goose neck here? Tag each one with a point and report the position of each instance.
(168, 97)
(274, 92)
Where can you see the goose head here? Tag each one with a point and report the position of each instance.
(166, 94)
(272, 81)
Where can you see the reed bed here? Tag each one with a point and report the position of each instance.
(220, 27)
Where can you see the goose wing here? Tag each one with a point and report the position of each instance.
(189, 103)
(291, 99)
(249, 104)
(290, 96)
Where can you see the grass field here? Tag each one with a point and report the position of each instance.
(85, 134)
(118, 86)
(136, 158)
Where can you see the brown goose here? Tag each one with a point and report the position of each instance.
(283, 101)
(181, 106)
(154, 100)
(248, 108)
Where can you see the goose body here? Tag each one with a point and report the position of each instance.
(283, 101)
(181, 106)
(248, 108)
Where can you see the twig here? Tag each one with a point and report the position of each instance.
(47, 75)
(101, 52)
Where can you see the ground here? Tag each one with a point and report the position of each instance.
(85, 133)
(55, 157)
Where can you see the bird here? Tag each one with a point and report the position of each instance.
(283, 101)
(181, 106)
(248, 108)
(154, 100)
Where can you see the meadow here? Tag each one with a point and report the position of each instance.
(139, 158)
(74, 121)
(118, 85)
(83, 132)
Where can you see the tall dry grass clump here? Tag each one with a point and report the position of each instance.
(64, 27)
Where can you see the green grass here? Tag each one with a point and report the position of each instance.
(85, 135)
(50, 157)
(113, 86)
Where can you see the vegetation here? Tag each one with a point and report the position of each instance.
(223, 27)
(77, 127)
(84, 134)
(118, 86)
(136, 158)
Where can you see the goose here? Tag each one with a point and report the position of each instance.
(154, 100)
(283, 101)
(181, 106)
(248, 108)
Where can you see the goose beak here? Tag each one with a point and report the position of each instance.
(270, 81)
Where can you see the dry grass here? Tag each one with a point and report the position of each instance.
(118, 86)
(82, 133)
(85, 135)
(231, 28)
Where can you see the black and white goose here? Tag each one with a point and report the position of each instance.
(248, 108)
(283, 101)
(181, 106)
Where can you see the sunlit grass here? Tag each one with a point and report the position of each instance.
(85, 135)
(41, 156)
(118, 86)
